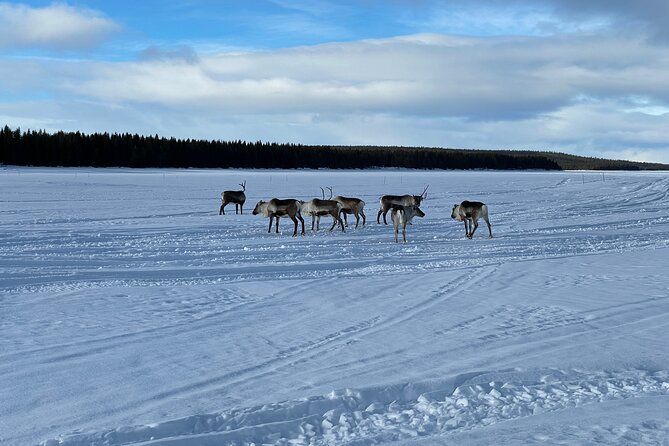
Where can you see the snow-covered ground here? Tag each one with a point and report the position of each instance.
(132, 313)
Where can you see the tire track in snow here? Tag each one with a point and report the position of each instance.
(309, 350)
(315, 349)
(443, 293)
(470, 277)
(58, 353)
(264, 368)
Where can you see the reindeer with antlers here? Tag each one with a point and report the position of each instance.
(387, 202)
(238, 197)
(350, 205)
(318, 208)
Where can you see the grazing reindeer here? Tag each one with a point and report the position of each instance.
(402, 215)
(318, 208)
(238, 197)
(353, 206)
(470, 212)
(276, 208)
(388, 201)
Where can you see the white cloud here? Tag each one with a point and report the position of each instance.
(55, 27)
(582, 94)
(429, 75)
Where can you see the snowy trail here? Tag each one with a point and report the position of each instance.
(129, 310)
(401, 412)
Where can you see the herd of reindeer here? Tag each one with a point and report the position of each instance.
(403, 208)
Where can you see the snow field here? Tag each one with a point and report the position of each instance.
(132, 313)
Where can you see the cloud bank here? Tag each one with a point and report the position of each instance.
(55, 27)
(593, 92)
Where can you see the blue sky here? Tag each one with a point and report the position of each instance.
(588, 78)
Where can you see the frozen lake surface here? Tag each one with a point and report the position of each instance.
(131, 313)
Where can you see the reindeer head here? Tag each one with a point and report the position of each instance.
(418, 211)
(455, 213)
(259, 207)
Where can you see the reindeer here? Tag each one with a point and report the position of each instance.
(402, 215)
(470, 212)
(238, 197)
(318, 208)
(388, 201)
(276, 208)
(353, 206)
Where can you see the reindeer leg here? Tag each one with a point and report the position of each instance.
(378, 216)
(466, 228)
(476, 225)
(357, 219)
(384, 216)
(313, 221)
(270, 223)
(364, 219)
(404, 231)
(299, 217)
(292, 217)
(241, 211)
(277, 223)
(223, 205)
(489, 227)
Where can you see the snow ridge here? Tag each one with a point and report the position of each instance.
(375, 415)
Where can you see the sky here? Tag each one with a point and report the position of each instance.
(587, 78)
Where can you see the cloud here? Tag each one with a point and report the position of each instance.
(649, 17)
(319, 8)
(56, 27)
(182, 52)
(425, 75)
(585, 94)
(539, 17)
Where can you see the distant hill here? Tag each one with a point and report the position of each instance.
(574, 162)
(563, 161)
(39, 148)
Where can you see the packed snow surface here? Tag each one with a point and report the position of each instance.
(131, 313)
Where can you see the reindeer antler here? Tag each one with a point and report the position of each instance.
(330, 189)
(424, 194)
(243, 185)
(323, 193)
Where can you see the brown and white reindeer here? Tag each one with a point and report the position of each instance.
(276, 208)
(351, 205)
(401, 216)
(318, 208)
(238, 197)
(388, 201)
(469, 212)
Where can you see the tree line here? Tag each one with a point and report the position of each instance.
(76, 149)
(39, 148)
